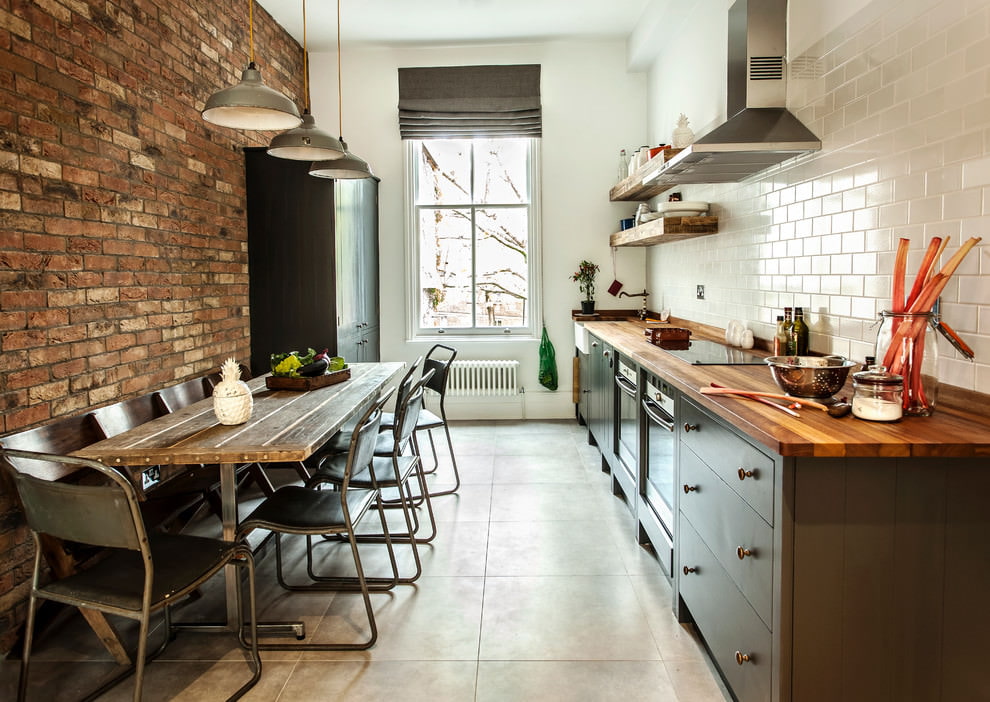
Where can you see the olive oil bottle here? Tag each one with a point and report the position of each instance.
(799, 332)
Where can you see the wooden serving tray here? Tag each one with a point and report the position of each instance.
(277, 382)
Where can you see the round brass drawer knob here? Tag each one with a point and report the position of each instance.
(743, 658)
(690, 488)
(688, 571)
(743, 473)
(743, 552)
(690, 427)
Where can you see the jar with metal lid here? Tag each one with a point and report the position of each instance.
(877, 395)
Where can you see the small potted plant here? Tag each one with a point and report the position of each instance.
(585, 278)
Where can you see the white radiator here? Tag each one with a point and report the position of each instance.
(483, 378)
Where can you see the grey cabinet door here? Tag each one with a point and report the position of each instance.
(356, 220)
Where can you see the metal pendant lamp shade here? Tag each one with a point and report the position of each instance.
(307, 142)
(346, 168)
(349, 167)
(251, 104)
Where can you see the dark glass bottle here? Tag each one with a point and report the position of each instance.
(799, 332)
(780, 337)
(788, 349)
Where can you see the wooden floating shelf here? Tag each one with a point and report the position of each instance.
(664, 230)
(633, 188)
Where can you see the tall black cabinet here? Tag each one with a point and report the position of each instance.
(312, 261)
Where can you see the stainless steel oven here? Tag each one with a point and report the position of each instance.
(656, 493)
(625, 470)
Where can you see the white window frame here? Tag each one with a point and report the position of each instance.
(534, 259)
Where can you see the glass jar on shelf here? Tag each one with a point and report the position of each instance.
(907, 346)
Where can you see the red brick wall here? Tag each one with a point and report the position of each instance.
(123, 241)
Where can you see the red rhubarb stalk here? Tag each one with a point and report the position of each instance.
(900, 271)
(925, 271)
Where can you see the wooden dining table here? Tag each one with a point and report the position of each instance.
(285, 426)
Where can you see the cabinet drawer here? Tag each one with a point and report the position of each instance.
(730, 528)
(748, 471)
(724, 618)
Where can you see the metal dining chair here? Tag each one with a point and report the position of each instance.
(144, 572)
(395, 470)
(295, 509)
(438, 359)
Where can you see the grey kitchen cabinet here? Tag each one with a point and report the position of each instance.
(602, 405)
(356, 250)
(312, 261)
(815, 579)
(584, 388)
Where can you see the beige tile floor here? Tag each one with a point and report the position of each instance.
(535, 588)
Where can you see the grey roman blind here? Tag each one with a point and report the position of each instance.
(451, 102)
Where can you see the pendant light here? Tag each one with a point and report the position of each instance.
(350, 166)
(306, 142)
(251, 104)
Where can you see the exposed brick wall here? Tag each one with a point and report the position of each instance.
(123, 240)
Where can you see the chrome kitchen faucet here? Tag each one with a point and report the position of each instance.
(644, 295)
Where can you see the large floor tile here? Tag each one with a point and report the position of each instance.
(438, 618)
(574, 681)
(564, 618)
(524, 469)
(545, 501)
(409, 681)
(552, 548)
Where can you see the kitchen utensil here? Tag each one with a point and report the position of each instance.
(809, 376)
(954, 339)
(616, 286)
(835, 409)
(760, 398)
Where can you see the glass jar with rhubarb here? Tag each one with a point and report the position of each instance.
(907, 346)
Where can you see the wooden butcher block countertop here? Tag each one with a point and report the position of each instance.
(956, 429)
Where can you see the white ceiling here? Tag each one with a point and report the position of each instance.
(454, 22)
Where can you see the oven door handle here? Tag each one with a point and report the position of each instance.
(658, 414)
(625, 386)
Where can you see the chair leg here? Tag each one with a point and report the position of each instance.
(248, 562)
(453, 461)
(28, 641)
(365, 592)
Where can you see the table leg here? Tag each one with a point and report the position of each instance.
(228, 515)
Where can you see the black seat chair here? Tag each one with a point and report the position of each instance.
(395, 470)
(295, 509)
(144, 572)
(438, 359)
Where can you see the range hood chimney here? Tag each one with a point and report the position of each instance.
(759, 132)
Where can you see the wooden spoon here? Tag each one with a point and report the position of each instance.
(838, 409)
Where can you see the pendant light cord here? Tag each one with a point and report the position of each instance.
(305, 62)
(251, 32)
(340, 91)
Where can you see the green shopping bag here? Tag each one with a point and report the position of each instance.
(548, 363)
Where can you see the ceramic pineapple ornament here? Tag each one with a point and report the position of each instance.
(232, 399)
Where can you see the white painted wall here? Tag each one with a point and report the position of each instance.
(897, 92)
(592, 107)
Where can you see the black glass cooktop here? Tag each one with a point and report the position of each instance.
(710, 353)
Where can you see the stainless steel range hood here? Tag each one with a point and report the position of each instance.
(760, 131)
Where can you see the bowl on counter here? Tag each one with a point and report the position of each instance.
(816, 377)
